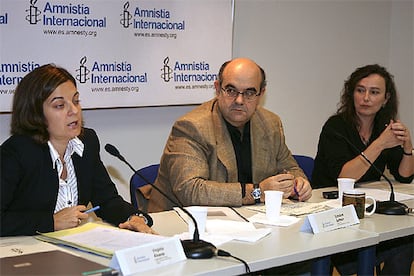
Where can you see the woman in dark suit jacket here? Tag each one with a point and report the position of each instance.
(51, 167)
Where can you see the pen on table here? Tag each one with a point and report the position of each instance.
(92, 209)
(101, 272)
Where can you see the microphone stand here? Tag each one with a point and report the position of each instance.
(391, 206)
(193, 248)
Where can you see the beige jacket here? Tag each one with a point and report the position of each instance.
(199, 165)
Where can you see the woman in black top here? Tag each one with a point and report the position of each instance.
(365, 119)
(365, 122)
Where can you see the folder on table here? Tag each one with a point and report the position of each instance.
(99, 239)
(52, 263)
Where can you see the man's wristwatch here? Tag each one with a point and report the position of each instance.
(256, 193)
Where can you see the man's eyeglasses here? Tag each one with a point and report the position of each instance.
(249, 94)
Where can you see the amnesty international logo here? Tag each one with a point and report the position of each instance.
(166, 70)
(83, 71)
(187, 72)
(126, 16)
(33, 13)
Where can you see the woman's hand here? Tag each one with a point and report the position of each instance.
(137, 223)
(402, 133)
(69, 217)
(389, 137)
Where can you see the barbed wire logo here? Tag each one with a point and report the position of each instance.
(33, 13)
(82, 76)
(126, 16)
(166, 70)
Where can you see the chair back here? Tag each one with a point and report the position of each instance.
(306, 163)
(137, 197)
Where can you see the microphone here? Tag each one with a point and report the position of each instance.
(195, 248)
(389, 207)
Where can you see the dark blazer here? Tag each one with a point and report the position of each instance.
(29, 186)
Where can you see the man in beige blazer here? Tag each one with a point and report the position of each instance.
(229, 150)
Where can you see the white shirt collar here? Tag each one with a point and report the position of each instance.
(74, 145)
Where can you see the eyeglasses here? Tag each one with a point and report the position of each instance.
(249, 94)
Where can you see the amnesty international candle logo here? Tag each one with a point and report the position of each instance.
(166, 74)
(108, 73)
(63, 15)
(187, 72)
(159, 19)
(82, 71)
(33, 13)
(126, 16)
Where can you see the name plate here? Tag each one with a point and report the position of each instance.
(330, 220)
(148, 256)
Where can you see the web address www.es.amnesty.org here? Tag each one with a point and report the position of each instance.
(194, 86)
(115, 89)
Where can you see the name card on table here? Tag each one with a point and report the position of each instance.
(148, 256)
(330, 220)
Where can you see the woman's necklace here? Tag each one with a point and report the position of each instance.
(365, 137)
(365, 141)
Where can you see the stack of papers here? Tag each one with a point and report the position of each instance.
(219, 231)
(294, 208)
(100, 239)
(224, 224)
(280, 221)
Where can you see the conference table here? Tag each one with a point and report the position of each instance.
(284, 245)
(386, 227)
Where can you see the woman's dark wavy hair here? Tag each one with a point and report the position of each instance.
(346, 106)
(32, 91)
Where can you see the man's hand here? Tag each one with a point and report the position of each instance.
(302, 189)
(281, 182)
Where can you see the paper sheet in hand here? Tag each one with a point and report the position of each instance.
(48, 263)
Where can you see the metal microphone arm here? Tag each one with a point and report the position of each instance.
(390, 207)
(392, 195)
(195, 248)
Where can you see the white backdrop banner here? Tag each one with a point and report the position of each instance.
(122, 53)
